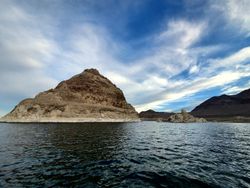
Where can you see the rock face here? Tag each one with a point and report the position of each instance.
(225, 106)
(85, 97)
(151, 115)
(185, 117)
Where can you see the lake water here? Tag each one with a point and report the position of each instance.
(145, 154)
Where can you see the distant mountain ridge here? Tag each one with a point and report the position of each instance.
(153, 115)
(225, 106)
(231, 108)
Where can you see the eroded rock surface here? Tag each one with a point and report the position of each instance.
(185, 117)
(88, 96)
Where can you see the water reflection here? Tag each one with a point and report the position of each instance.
(88, 141)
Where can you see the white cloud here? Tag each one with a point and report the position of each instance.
(23, 43)
(219, 80)
(25, 51)
(240, 56)
(238, 11)
(189, 88)
(91, 46)
(171, 54)
(26, 85)
(182, 34)
(232, 90)
(218, 73)
(194, 69)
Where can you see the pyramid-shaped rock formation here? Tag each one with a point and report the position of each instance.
(85, 97)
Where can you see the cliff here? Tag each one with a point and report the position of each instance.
(86, 97)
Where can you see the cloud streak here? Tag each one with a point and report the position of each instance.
(238, 12)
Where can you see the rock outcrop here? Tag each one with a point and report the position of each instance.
(151, 115)
(85, 97)
(225, 107)
(185, 117)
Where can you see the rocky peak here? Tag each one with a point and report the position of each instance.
(88, 94)
(92, 87)
(92, 71)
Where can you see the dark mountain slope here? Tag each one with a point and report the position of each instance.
(225, 106)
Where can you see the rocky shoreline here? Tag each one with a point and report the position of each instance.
(183, 117)
(69, 120)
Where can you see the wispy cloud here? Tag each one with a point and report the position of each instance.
(238, 13)
(189, 88)
(232, 90)
(24, 52)
(182, 34)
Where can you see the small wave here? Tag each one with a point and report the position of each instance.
(164, 179)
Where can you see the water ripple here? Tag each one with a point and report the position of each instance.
(145, 154)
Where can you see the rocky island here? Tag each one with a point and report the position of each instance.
(86, 97)
(183, 117)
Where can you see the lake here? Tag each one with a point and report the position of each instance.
(144, 154)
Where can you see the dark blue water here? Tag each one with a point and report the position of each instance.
(146, 154)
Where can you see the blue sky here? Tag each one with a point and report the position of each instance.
(165, 55)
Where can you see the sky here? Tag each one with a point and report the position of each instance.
(165, 55)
